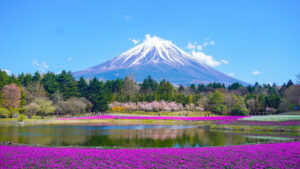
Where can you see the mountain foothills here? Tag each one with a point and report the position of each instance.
(160, 59)
(61, 94)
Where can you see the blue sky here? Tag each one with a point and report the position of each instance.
(251, 40)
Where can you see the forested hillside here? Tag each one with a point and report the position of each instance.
(61, 94)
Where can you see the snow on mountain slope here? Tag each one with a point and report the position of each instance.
(162, 60)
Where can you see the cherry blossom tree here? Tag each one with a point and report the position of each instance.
(11, 95)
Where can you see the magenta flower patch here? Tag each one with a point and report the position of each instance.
(277, 155)
(217, 118)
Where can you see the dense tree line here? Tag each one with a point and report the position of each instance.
(61, 94)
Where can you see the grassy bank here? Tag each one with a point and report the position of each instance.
(273, 118)
(254, 128)
(102, 121)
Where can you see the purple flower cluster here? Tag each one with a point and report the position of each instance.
(217, 118)
(277, 155)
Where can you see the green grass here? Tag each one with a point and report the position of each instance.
(269, 137)
(291, 113)
(273, 118)
(255, 128)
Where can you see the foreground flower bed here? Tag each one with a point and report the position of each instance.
(217, 118)
(277, 155)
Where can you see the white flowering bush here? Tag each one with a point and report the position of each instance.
(153, 106)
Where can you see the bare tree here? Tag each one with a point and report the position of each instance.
(75, 105)
(32, 109)
(58, 100)
(35, 91)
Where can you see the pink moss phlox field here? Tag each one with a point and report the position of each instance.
(277, 155)
(217, 118)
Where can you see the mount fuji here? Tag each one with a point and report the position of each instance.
(160, 59)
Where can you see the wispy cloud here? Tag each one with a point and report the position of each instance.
(125, 17)
(191, 46)
(135, 41)
(7, 71)
(194, 46)
(256, 72)
(225, 61)
(197, 54)
(42, 65)
(69, 59)
(231, 74)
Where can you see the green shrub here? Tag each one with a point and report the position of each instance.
(13, 111)
(4, 113)
(21, 117)
(239, 111)
(219, 109)
(22, 110)
(36, 117)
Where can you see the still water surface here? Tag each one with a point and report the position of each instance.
(123, 136)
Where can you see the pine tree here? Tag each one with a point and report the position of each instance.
(49, 81)
(82, 87)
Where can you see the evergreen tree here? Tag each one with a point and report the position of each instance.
(234, 86)
(82, 87)
(50, 83)
(193, 88)
(67, 84)
(36, 77)
(165, 87)
(201, 88)
(149, 85)
(289, 83)
(4, 79)
(98, 95)
(27, 80)
(272, 101)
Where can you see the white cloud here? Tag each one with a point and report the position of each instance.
(256, 72)
(198, 55)
(199, 47)
(42, 65)
(205, 44)
(194, 46)
(135, 41)
(191, 46)
(231, 74)
(225, 61)
(69, 58)
(125, 17)
(7, 71)
(203, 58)
(208, 42)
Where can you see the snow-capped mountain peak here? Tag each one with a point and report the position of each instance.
(153, 50)
(162, 60)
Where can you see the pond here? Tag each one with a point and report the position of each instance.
(125, 135)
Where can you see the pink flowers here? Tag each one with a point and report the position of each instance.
(217, 118)
(278, 155)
